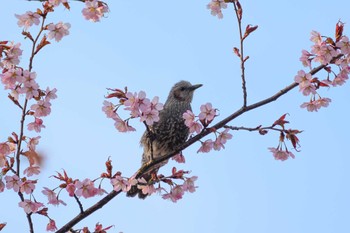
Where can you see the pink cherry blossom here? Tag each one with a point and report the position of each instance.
(189, 184)
(56, 3)
(344, 45)
(207, 112)
(85, 188)
(12, 56)
(11, 77)
(70, 188)
(175, 194)
(281, 154)
(58, 31)
(13, 182)
(27, 186)
(121, 125)
(30, 206)
(222, 139)
(41, 108)
(207, 146)
(305, 58)
(341, 78)
(108, 108)
(51, 226)
(305, 85)
(322, 102)
(50, 94)
(150, 117)
(94, 10)
(316, 37)
(31, 170)
(119, 183)
(215, 7)
(37, 125)
(137, 103)
(146, 189)
(52, 197)
(190, 122)
(179, 158)
(4, 149)
(33, 142)
(155, 105)
(311, 106)
(28, 19)
(189, 118)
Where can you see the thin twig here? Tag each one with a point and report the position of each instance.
(79, 203)
(244, 87)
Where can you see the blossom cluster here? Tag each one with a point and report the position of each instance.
(329, 53)
(137, 104)
(205, 117)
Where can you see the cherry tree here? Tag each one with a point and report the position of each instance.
(325, 65)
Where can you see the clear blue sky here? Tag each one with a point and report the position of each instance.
(150, 45)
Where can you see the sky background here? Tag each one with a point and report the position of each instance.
(150, 45)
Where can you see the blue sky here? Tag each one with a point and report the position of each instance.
(151, 45)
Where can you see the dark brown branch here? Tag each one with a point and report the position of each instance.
(88, 211)
(79, 203)
(242, 59)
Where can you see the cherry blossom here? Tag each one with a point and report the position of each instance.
(305, 84)
(179, 158)
(58, 31)
(41, 108)
(12, 56)
(51, 226)
(311, 106)
(30, 206)
(27, 186)
(33, 142)
(137, 103)
(215, 7)
(37, 125)
(175, 194)
(344, 45)
(70, 188)
(86, 188)
(56, 2)
(52, 197)
(281, 154)
(207, 112)
(121, 125)
(306, 58)
(119, 183)
(189, 184)
(94, 10)
(28, 19)
(190, 122)
(108, 108)
(146, 189)
(11, 77)
(31, 170)
(207, 146)
(50, 94)
(13, 182)
(222, 139)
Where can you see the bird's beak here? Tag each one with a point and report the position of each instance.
(194, 87)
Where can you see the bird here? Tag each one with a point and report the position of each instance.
(166, 135)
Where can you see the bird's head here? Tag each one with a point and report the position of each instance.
(183, 91)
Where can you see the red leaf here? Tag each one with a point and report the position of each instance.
(249, 29)
(339, 31)
(2, 225)
(281, 121)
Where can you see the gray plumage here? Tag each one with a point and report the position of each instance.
(170, 131)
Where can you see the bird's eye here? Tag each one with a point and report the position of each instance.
(182, 88)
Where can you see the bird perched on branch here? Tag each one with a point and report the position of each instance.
(169, 132)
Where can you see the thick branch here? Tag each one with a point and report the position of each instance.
(88, 211)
